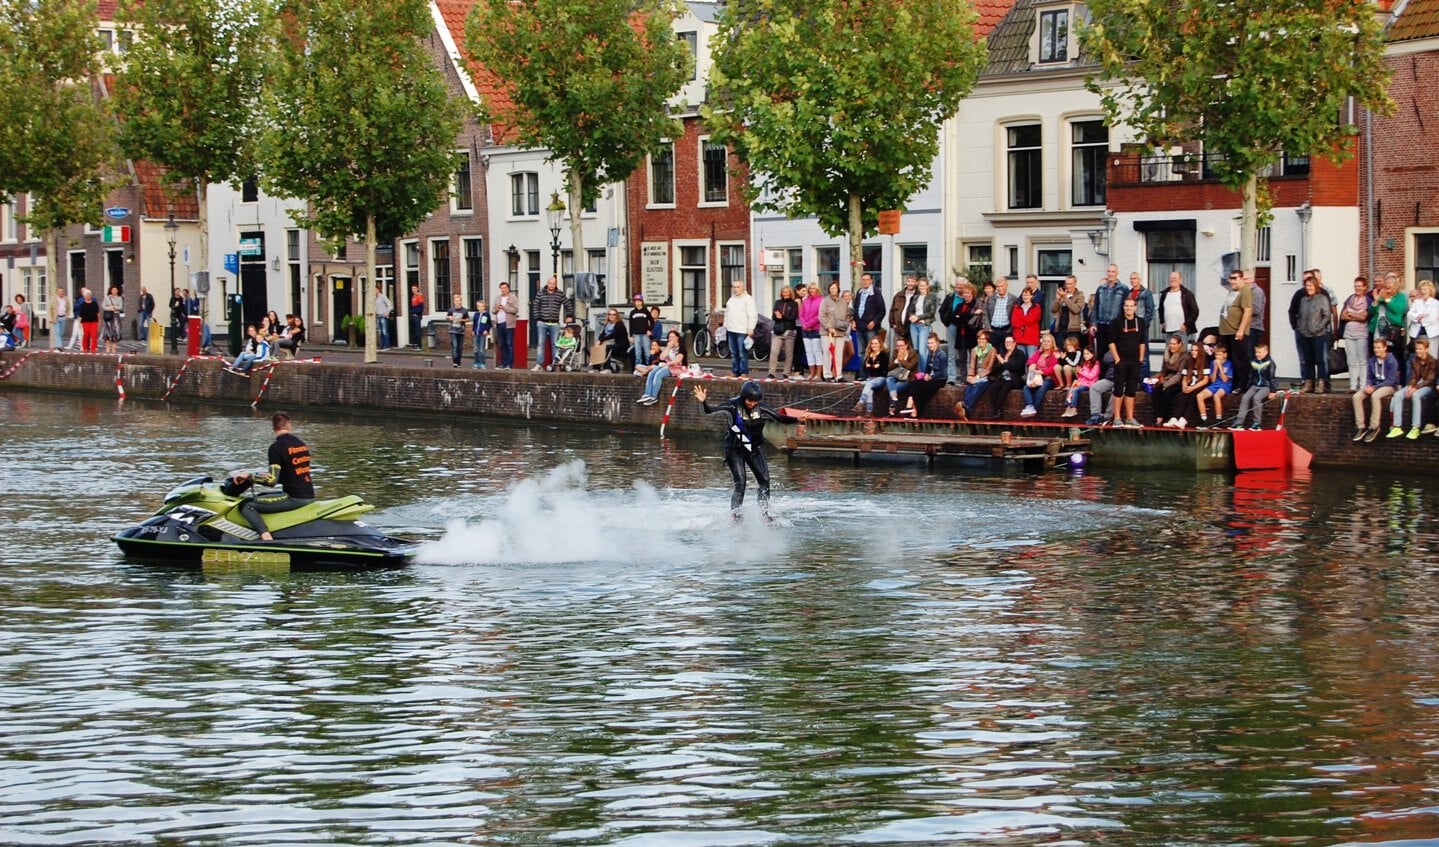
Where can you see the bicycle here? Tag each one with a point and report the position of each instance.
(703, 342)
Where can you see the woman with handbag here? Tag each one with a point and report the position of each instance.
(1387, 315)
(786, 321)
(1173, 366)
(901, 371)
(976, 381)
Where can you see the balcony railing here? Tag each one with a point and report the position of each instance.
(1190, 168)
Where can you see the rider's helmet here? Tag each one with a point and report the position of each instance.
(751, 391)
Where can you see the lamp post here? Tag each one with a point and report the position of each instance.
(555, 213)
(172, 230)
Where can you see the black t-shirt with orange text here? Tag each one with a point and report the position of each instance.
(293, 459)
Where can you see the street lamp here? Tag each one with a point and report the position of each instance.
(513, 271)
(172, 230)
(555, 213)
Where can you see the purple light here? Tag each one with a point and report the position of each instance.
(1076, 460)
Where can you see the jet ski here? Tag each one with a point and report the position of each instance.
(200, 523)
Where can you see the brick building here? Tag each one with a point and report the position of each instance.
(447, 253)
(1399, 160)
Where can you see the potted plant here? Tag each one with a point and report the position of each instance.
(353, 325)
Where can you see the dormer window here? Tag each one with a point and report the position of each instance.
(1054, 35)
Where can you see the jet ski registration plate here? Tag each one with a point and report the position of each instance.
(221, 560)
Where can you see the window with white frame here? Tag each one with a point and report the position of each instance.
(462, 195)
(794, 261)
(662, 176)
(731, 265)
(33, 284)
(440, 273)
(826, 262)
(1025, 161)
(1426, 256)
(474, 269)
(412, 265)
(8, 229)
(714, 171)
(525, 194)
(691, 40)
(979, 263)
(250, 190)
(1054, 35)
(1089, 151)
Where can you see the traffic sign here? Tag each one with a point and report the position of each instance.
(117, 212)
(232, 263)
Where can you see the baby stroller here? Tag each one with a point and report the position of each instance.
(603, 357)
(567, 358)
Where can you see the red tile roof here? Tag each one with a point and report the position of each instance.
(454, 13)
(990, 13)
(162, 196)
(1417, 19)
(106, 10)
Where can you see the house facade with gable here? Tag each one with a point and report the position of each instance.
(798, 251)
(1398, 158)
(1028, 190)
(520, 185)
(688, 221)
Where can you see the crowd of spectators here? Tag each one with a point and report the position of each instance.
(989, 342)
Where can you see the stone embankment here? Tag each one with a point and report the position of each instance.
(1321, 425)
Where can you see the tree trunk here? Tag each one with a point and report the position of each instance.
(367, 300)
(856, 241)
(1249, 224)
(52, 269)
(577, 238)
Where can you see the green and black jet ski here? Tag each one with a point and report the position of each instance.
(200, 523)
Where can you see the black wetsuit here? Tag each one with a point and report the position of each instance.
(290, 467)
(744, 445)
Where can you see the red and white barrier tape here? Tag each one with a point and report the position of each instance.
(120, 376)
(669, 407)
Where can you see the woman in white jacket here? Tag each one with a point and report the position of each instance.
(1423, 317)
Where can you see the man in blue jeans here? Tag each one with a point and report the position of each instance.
(741, 316)
(549, 309)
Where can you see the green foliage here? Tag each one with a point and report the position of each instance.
(358, 119)
(354, 322)
(833, 99)
(588, 80)
(57, 141)
(188, 91)
(1251, 79)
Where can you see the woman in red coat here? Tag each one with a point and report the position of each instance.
(1024, 323)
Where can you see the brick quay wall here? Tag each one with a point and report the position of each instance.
(1322, 424)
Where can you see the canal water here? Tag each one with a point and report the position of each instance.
(591, 653)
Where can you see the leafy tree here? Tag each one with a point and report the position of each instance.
(836, 104)
(188, 91)
(359, 123)
(1250, 79)
(57, 142)
(587, 80)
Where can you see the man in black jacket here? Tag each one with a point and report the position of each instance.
(147, 311)
(868, 310)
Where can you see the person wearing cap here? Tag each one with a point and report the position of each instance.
(642, 325)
